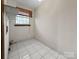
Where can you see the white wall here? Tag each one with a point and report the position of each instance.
(10, 2)
(18, 33)
(56, 25)
(6, 36)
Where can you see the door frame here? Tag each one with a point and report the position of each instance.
(2, 29)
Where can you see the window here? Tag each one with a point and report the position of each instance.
(22, 20)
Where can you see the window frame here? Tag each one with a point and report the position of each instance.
(23, 24)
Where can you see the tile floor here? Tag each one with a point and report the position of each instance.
(32, 49)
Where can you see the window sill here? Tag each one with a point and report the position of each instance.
(22, 25)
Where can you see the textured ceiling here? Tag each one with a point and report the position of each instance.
(28, 3)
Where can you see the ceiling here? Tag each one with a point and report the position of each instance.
(28, 3)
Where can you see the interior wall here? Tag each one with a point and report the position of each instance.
(18, 33)
(12, 3)
(55, 22)
(6, 36)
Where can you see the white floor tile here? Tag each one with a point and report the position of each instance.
(32, 49)
(49, 56)
(25, 57)
(61, 57)
(35, 56)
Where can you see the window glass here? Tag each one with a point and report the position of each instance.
(20, 19)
